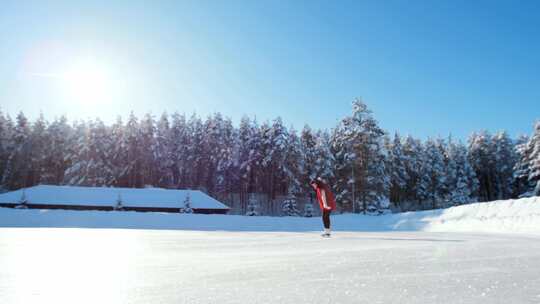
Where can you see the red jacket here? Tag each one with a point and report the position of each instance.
(330, 201)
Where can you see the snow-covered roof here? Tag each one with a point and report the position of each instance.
(103, 196)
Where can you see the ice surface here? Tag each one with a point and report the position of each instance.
(49, 265)
(396, 258)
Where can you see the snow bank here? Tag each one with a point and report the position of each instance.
(521, 216)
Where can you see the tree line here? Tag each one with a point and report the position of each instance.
(369, 169)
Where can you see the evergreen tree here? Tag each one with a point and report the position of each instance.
(293, 164)
(187, 204)
(481, 157)
(289, 207)
(23, 201)
(274, 151)
(246, 159)
(78, 156)
(252, 206)
(90, 156)
(461, 179)
(505, 159)
(6, 147)
(181, 146)
(100, 171)
(119, 203)
(56, 159)
(147, 151)
(225, 157)
(325, 162)
(308, 210)
(39, 150)
(17, 168)
(195, 165)
(163, 153)
(118, 154)
(397, 170)
(523, 149)
(359, 141)
(211, 150)
(308, 148)
(432, 179)
(534, 174)
(413, 156)
(132, 147)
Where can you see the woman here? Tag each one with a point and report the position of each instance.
(327, 203)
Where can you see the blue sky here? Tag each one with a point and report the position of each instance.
(425, 68)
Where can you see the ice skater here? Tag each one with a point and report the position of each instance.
(327, 203)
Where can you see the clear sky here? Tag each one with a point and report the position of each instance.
(426, 68)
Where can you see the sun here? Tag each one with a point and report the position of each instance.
(86, 82)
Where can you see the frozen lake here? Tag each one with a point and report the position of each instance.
(64, 265)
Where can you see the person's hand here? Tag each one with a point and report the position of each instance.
(327, 208)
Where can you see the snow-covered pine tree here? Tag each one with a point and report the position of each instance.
(534, 173)
(469, 173)
(274, 151)
(358, 140)
(148, 150)
(505, 160)
(195, 165)
(481, 157)
(293, 164)
(432, 176)
(89, 156)
(397, 171)
(324, 164)
(77, 155)
(186, 207)
(163, 153)
(308, 170)
(39, 146)
(56, 161)
(23, 201)
(247, 159)
(461, 179)
(17, 168)
(211, 147)
(413, 156)
(289, 206)
(521, 185)
(180, 148)
(6, 146)
(225, 174)
(118, 154)
(442, 145)
(344, 167)
(119, 203)
(100, 170)
(132, 148)
(308, 209)
(253, 205)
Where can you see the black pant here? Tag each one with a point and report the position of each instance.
(326, 218)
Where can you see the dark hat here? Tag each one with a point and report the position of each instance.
(318, 181)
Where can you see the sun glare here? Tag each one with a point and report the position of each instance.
(87, 82)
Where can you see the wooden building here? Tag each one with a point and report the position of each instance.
(109, 199)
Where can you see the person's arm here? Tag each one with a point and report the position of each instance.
(323, 196)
